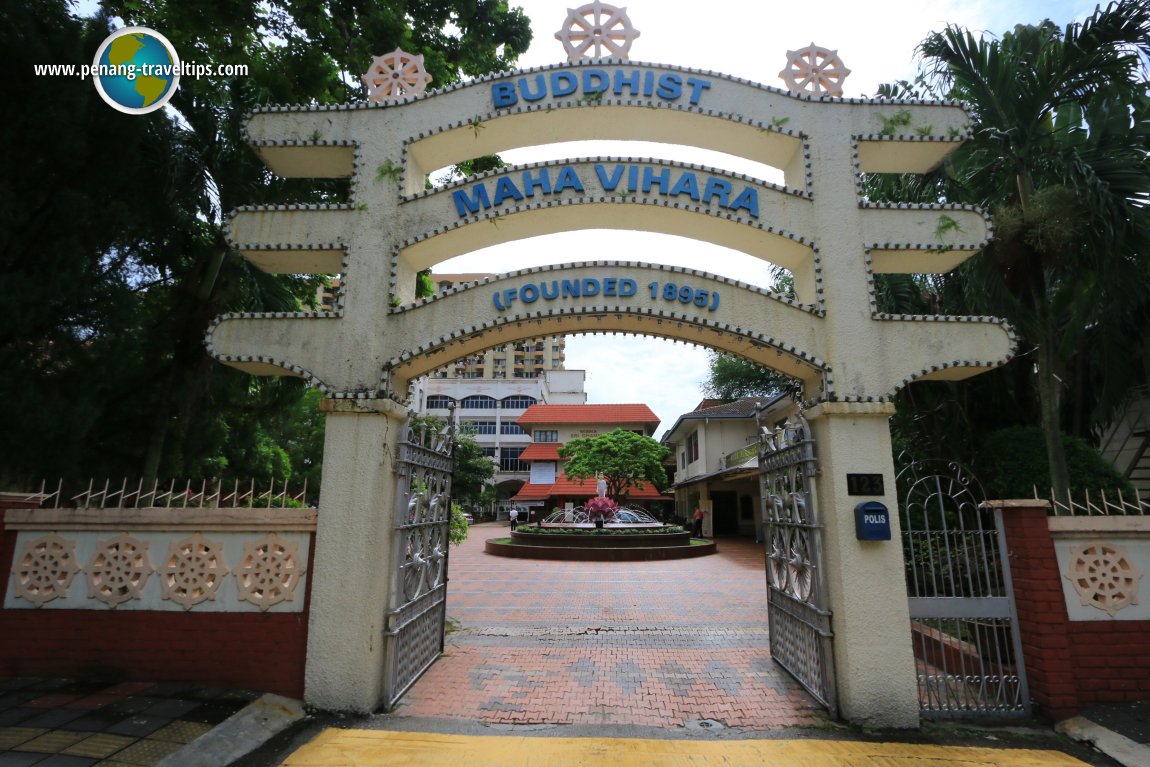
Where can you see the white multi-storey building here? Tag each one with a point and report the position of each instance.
(524, 359)
(490, 407)
(488, 392)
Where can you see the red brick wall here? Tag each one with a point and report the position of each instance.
(1069, 664)
(253, 651)
(264, 652)
(7, 551)
(1112, 660)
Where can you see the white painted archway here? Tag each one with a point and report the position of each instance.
(851, 358)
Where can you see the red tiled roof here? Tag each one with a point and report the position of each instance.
(582, 487)
(541, 451)
(574, 414)
(530, 492)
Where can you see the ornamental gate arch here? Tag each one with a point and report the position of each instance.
(850, 358)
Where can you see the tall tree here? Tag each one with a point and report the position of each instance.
(730, 378)
(86, 203)
(1061, 125)
(113, 253)
(623, 458)
(472, 469)
(298, 52)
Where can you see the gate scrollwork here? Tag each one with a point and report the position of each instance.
(799, 615)
(417, 609)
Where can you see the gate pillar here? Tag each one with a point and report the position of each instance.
(873, 655)
(353, 552)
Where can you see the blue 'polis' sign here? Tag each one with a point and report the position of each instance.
(872, 521)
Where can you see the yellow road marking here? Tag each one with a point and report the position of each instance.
(361, 748)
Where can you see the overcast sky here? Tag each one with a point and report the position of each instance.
(748, 39)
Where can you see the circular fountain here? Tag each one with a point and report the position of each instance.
(619, 517)
(600, 530)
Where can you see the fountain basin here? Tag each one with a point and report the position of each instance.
(600, 547)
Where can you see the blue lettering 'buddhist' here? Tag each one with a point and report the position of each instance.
(648, 180)
(593, 83)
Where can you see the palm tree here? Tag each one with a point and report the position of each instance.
(1061, 126)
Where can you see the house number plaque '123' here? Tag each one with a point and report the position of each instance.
(865, 484)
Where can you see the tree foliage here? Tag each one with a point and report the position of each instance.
(730, 378)
(623, 458)
(1058, 155)
(1011, 463)
(112, 249)
(1061, 125)
(473, 470)
(459, 528)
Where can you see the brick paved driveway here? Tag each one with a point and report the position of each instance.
(645, 643)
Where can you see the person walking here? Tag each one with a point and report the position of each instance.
(698, 521)
(514, 517)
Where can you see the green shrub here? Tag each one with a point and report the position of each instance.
(459, 526)
(1012, 463)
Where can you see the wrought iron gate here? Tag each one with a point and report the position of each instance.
(414, 627)
(798, 608)
(967, 652)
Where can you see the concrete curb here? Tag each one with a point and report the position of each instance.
(236, 736)
(1118, 747)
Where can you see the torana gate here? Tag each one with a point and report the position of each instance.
(851, 358)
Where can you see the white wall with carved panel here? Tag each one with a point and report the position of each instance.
(121, 562)
(1102, 561)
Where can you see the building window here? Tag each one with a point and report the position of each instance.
(693, 447)
(518, 401)
(509, 459)
(510, 427)
(478, 427)
(491, 452)
(439, 402)
(478, 402)
(546, 435)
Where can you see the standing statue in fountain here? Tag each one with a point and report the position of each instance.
(600, 508)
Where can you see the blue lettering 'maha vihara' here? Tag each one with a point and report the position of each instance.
(622, 179)
(624, 83)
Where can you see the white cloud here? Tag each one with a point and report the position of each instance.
(665, 375)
